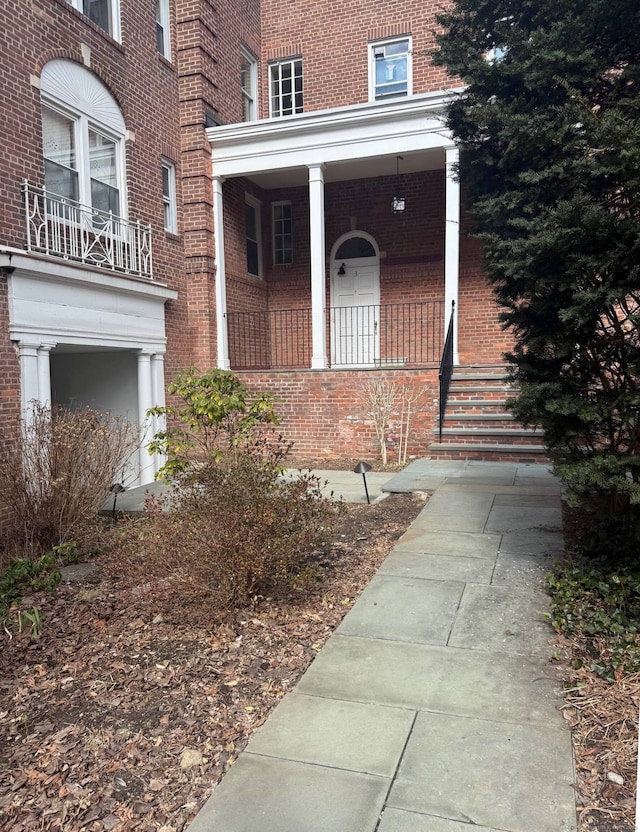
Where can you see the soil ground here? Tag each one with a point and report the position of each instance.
(134, 702)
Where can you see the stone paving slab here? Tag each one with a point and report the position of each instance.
(501, 686)
(455, 512)
(399, 820)
(516, 518)
(455, 544)
(505, 619)
(329, 732)
(532, 542)
(533, 499)
(521, 570)
(407, 563)
(262, 794)
(404, 609)
(487, 773)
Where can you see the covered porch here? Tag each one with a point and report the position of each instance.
(374, 218)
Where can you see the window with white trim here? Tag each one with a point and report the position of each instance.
(169, 204)
(282, 221)
(163, 31)
(249, 85)
(81, 159)
(253, 234)
(104, 13)
(390, 69)
(285, 87)
(83, 135)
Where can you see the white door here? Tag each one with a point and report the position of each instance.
(355, 311)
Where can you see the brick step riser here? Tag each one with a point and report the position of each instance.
(524, 441)
(478, 423)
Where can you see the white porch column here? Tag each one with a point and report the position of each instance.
(159, 423)
(318, 279)
(44, 374)
(221, 279)
(145, 401)
(451, 244)
(29, 378)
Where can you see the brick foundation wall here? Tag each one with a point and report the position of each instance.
(322, 412)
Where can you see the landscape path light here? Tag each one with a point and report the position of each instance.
(362, 468)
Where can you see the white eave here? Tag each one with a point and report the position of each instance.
(413, 125)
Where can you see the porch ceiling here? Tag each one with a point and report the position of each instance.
(354, 142)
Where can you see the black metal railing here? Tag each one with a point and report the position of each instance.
(446, 370)
(388, 335)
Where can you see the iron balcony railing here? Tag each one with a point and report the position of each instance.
(63, 228)
(388, 335)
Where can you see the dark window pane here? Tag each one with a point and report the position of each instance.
(60, 180)
(355, 247)
(104, 197)
(252, 258)
(99, 12)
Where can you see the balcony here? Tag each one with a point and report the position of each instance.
(387, 335)
(63, 228)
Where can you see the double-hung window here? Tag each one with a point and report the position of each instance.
(253, 234)
(285, 84)
(282, 233)
(81, 161)
(104, 13)
(249, 86)
(390, 69)
(163, 32)
(169, 203)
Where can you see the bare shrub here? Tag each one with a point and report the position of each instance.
(379, 398)
(234, 527)
(56, 474)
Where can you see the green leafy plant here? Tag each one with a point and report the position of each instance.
(548, 126)
(231, 523)
(217, 415)
(599, 604)
(23, 576)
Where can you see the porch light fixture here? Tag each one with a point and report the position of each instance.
(398, 202)
(362, 468)
(342, 271)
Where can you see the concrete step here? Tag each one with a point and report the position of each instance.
(489, 452)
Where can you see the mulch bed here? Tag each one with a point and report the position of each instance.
(134, 702)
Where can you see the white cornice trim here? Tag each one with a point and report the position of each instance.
(49, 268)
(344, 134)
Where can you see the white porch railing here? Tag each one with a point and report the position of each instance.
(64, 228)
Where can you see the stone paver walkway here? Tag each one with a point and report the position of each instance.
(434, 706)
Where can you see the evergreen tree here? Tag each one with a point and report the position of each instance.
(549, 129)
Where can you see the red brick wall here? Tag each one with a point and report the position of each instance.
(323, 414)
(209, 39)
(146, 88)
(332, 37)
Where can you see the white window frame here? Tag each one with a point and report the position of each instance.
(250, 96)
(274, 235)
(82, 125)
(114, 16)
(254, 203)
(164, 21)
(275, 77)
(382, 44)
(169, 201)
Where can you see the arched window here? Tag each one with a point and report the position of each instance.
(355, 247)
(82, 138)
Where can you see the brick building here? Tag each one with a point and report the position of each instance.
(264, 185)
(336, 231)
(91, 264)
